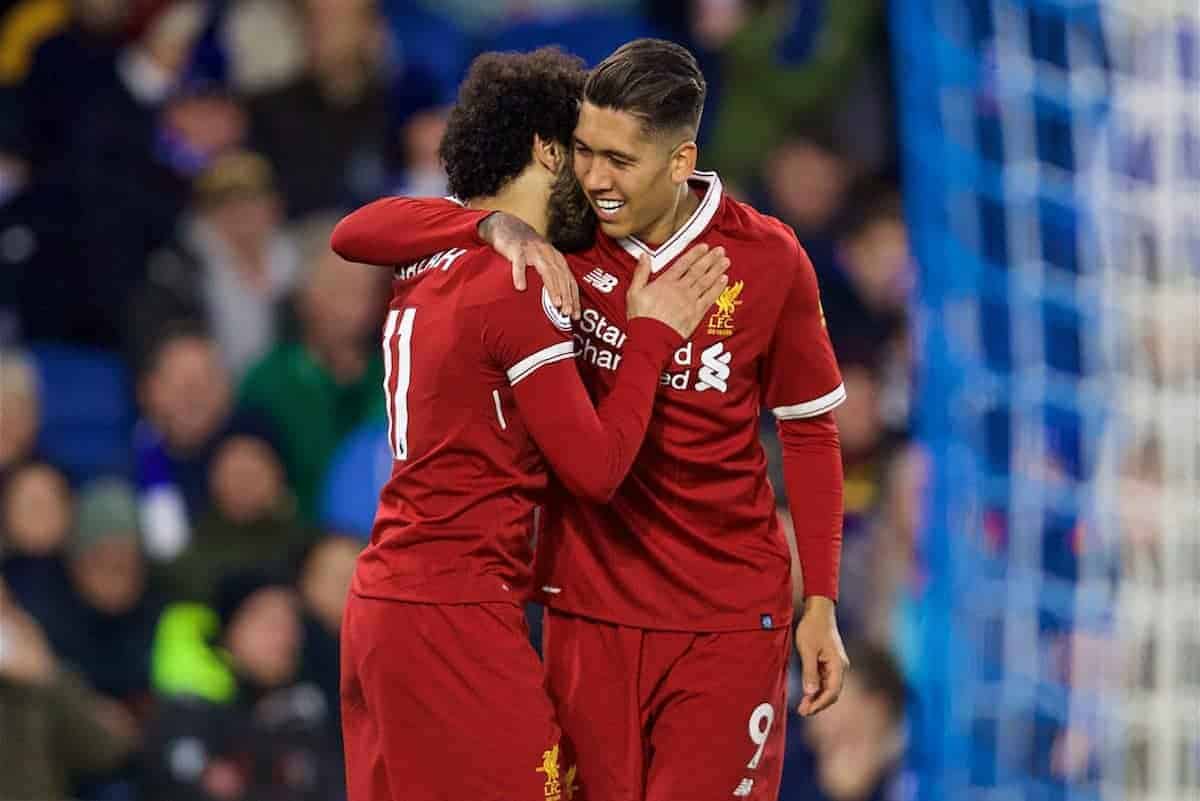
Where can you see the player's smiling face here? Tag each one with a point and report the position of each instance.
(631, 177)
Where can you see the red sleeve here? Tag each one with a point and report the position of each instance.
(812, 473)
(399, 230)
(592, 449)
(800, 374)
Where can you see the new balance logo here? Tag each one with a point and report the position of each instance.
(743, 789)
(714, 369)
(605, 282)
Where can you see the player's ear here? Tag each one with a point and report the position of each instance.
(683, 161)
(548, 153)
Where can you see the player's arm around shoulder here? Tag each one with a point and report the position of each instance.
(399, 230)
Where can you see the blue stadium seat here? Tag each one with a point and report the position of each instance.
(354, 479)
(591, 36)
(430, 42)
(87, 410)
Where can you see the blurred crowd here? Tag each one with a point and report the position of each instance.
(191, 426)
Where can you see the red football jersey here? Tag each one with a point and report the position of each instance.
(480, 383)
(690, 541)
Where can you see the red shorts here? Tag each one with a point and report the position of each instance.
(670, 716)
(447, 703)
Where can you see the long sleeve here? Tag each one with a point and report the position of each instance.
(592, 449)
(812, 474)
(398, 230)
(802, 385)
(86, 742)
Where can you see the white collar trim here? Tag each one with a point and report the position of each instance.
(687, 234)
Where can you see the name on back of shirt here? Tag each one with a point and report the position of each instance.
(443, 259)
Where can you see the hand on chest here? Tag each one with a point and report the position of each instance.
(724, 345)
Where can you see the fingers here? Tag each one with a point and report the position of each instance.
(518, 268)
(641, 275)
(577, 305)
(556, 276)
(706, 269)
(811, 678)
(833, 675)
(555, 266)
(570, 289)
(708, 272)
(714, 290)
(684, 264)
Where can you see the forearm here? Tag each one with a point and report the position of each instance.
(592, 449)
(812, 471)
(87, 741)
(399, 230)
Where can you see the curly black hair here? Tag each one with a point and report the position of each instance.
(506, 99)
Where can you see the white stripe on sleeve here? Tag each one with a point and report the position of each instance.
(554, 353)
(812, 408)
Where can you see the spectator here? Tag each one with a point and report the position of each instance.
(806, 180)
(17, 213)
(36, 514)
(324, 131)
(200, 122)
(865, 455)
(187, 406)
(37, 511)
(252, 519)
(122, 137)
(418, 119)
(233, 266)
(785, 61)
(325, 574)
(20, 410)
(249, 263)
(861, 431)
(102, 621)
(866, 298)
(852, 751)
(265, 44)
(891, 559)
(112, 123)
(55, 727)
(319, 389)
(272, 739)
(96, 613)
(80, 39)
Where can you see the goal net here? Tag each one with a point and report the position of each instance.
(1051, 154)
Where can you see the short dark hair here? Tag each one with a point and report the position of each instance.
(149, 351)
(656, 80)
(869, 201)
(878, 672)
(506, 99)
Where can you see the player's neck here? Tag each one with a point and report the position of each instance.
(674, 218)
(519, 199)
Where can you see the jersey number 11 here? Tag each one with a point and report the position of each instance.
(397, 368)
